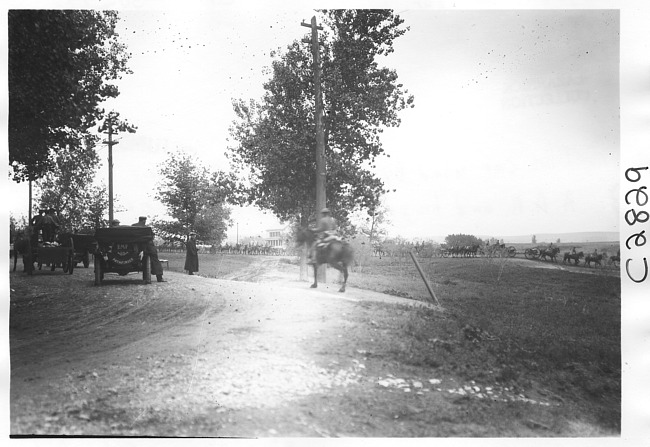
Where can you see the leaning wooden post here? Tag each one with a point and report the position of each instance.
(426, 283)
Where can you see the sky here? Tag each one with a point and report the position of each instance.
(515, 128)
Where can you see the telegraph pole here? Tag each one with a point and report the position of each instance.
(112, 125)
(109, 126)
(321, 168)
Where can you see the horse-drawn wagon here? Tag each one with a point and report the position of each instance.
(499, 251)
(122, 250)
(34, 251)
(53, 255)
(542, 252)
(532, 253)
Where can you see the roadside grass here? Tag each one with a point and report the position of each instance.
(210, 265)
(522, 327)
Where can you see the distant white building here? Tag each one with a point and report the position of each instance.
(277, 237)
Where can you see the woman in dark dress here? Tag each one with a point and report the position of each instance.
(192, 255)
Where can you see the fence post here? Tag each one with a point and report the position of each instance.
(426, 283)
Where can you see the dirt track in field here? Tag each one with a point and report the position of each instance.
(602, 270)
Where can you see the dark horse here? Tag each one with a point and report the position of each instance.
(573, 257)
(337, 254)
(593, 258)
(22, 246)
(549, 252)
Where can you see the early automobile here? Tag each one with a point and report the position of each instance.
(122, 250)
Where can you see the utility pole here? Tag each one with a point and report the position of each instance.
(108, 125)
(112, 125)
(321, 168)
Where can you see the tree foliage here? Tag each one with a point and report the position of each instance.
(195, 199)
(61, 63)
(68, 185)
(462, 240)
(373, 222)
(68, 188)
(275, 137)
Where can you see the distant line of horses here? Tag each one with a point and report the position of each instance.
(430, 251)
(597, 259)
(237, 249)
(468, 251)
(427, 250)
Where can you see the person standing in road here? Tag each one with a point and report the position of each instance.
(152, 251)
(192, 254)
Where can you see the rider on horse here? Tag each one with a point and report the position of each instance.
(325, 231)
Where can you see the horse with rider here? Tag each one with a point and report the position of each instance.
(326, 246)
(325, 233)
(550, 252)
(574, 256)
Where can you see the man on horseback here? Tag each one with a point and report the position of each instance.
(325, 233)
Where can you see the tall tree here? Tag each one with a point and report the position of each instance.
(61, 63)
(68, 187)
(96, 211)
(275, 138)
(195, 199)
(373, 224)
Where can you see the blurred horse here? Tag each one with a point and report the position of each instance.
(552, 253)
(22, 245)
(596, 259)
(573, 257)
(337, 254)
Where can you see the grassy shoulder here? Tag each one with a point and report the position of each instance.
(549, 333)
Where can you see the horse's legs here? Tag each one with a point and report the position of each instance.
(345, 277)
(313, 286)
(341, 267)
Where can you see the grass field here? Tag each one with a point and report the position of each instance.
(527, 328)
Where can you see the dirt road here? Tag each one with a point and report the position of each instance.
(255, 355)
